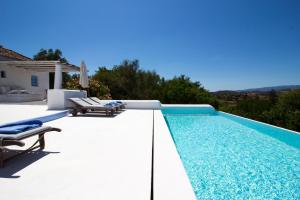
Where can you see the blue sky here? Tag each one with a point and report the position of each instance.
(232, 44)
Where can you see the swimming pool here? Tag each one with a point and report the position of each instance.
(230, 157)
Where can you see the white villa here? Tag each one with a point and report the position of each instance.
(23, 79)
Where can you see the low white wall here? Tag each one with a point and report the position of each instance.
(139, 104)
(184, 106)
(170, 178)
(142, 104)
(21, 97)
(58, 98)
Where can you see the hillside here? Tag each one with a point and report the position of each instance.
(268, 89)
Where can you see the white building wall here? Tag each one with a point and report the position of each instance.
(22, 78)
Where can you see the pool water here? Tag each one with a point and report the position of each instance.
(226, 158)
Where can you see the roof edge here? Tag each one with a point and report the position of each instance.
(18, 57)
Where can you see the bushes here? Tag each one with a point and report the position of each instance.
(181, 90)
(96, 88)
(286, 112)
(127, 81)
(282, 110)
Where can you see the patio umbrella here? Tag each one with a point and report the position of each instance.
(83, 80)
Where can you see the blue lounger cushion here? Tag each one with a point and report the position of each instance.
(111, 104)
(18, 127)
(116, 102)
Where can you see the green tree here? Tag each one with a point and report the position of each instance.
(181, 90)
(273, 97)
(128, 81)
(50, 54)
(286, 112)
(252, 107)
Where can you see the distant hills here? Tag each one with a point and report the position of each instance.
(262, 89)
(268, 89)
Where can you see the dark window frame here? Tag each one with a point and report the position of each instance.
(34, 81)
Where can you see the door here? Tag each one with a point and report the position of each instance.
(51, 80)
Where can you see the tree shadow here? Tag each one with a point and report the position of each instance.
(20, 162)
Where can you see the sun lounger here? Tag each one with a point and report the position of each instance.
(92, 102)
(119, 103)
(12, 134)
(82, 106)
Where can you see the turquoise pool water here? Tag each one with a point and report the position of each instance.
(228, 157)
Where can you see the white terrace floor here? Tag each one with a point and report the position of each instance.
(96, 157)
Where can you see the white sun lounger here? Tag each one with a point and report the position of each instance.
(119, 103)
(82, 106)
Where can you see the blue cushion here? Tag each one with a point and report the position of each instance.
(108, 105)
(18, 127)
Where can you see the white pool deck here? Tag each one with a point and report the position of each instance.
(11, 113)
(96, 157)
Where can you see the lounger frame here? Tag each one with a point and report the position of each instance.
(15, 139)
(82, 106)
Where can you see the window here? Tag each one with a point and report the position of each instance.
(3, 74)
(34, 81)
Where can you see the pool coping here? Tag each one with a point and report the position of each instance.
(270, 125)
(170, 178)
(186, 106)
